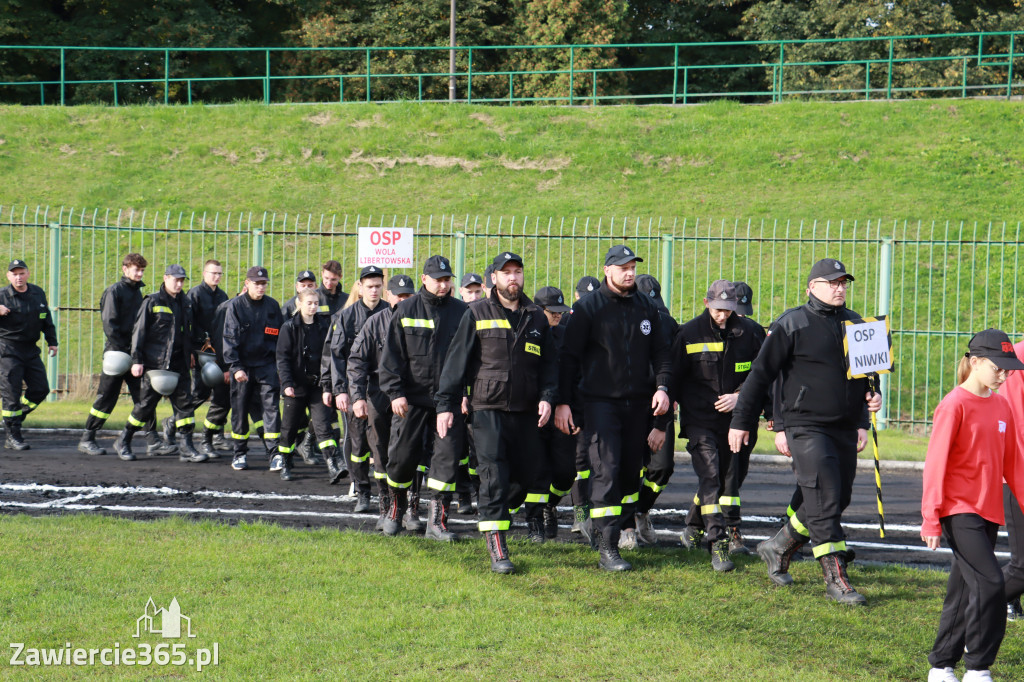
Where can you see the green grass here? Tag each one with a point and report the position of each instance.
(323, 604)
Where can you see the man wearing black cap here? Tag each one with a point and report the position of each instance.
(826, 417)
(369, 403)
(162, 342)
(417, 342)
(252, 323)
(24, 315)
(471, 288)
(712, 356)
(345, 325)
(586, 285)
(467, 482)
(305, 281)
(612, 343)
(503, 351)
(205, 298)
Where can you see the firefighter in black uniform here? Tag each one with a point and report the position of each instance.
(306, 281)
(826, 417)
(299, 348)
(580, 494)
(344, 327)
(421, 330)
(368, 401)
(712, 357)
(252, 323)
(162, 340)
(119, 306)
(612, 342)
(468, 483)
(24, 315)
(504, 352)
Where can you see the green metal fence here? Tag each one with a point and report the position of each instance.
(956, 64)
(939, 282)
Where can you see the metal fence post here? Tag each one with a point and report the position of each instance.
(459, 267)
(54, 298)
(884, 296)
(257, 247)
(668, 244)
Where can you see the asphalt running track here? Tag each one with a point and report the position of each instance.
(54, 478)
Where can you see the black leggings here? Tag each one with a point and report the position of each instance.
(1013, 572)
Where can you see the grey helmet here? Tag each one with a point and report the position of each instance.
(212, 376)
(205, 358)
(116, 363)
(162, 381)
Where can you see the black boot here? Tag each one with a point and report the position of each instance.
(362, 502)
(550, 521)
(393, 520)
(466, 504)
(336, 469)
(206, 446)
(88, 444)
(123, 446)
(286, 468)
(169, 430)
(608, 549)
(384, 504)
(188, 449)
(837, 583)
(535, 523)
(411, 521)
(437, 524)
(14, 440)
(222, 442)
(777, 552)
(156, 446)
(498, 550)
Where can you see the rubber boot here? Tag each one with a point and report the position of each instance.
(206, 446)
(362, 502)
(188, 449)
(336, 469)
(14, 440)
(156, 446)
(123, 446)
(837, 583)
(608, 549)
(384, 504)
(437, 525)
(88, 444)
(498, 550)
(169, 430)
(286, 470)
(550, 521)
(535, 523)
(411, 521)
(777, 552)
(393, 520)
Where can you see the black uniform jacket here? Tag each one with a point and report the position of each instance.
(330, 303)
(364, 360)
(506, 367)
(251, 329)
(298, 353)
(612, 345)
(205, 301)
(119, 306)
(421, 330)
(29, 317)
(804, 349)
(162, 337)
(343, 329)
(709, 362)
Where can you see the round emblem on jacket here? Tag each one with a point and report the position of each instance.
(645, 327)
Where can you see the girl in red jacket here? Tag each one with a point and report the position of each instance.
(971, 450)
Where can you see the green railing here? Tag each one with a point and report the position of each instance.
(956, 64)
(939, 282)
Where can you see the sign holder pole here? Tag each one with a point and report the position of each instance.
(872, 382)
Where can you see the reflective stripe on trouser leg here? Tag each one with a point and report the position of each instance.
(378, 435)
(107, 393)
(826, 463)
(828, 548)
(617, 440)
(356, 448)
(658, 472)
(734, 467)
(705, 447)
(510, 463)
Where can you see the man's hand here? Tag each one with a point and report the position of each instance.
(465, 405)
(544, 413)
(137, 370)
(931, 541)
(341, 402)
(782, 444)
(563, 421)
(655, 439)
(241, 377)
(769, 425)
(359, 409)
(4, 310)
(53, 350)
(727, 402)
(290, 392)
(444, 422)
(400, 407)
(862, 439)
(328, 399)
(660, 403)
(737, 439)
(874, 401)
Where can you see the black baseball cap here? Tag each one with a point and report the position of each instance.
(828, 269)
(722, 295)
(15, 264)
(370, 271)
(995, 345)
(505, 257)
(437, 267)
(649, 286)
(401, 284)
(550, 298)
(745, 304)
(488, 282)
(257, 273)
(587, 284)
(306, 274)
(620, 255)
(175, 271)
(471, 278)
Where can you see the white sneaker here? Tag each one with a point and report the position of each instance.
(277, 462)
(976, 676)
(942, 675)
(644, 529)
(627, 539)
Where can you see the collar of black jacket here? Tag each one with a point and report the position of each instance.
(132, 283)
(607, 291)
(431, 299)
(732, 323)
(816, 305)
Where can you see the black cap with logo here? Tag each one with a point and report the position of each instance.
(401, 284)
(304, 275)
(506, 257)
(257, 273)
(649, 286)
(550, 298)
(437, 267)
(995, 345)
(15, 264)
(620, 255)
(722, 295)
(370, 271)
(745, 304)
(828, 269)
(175, 271)
(587, 284)
(471, 278)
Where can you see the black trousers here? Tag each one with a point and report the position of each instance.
(580, 494)
(414, 439)
(707, 449)
(145, 409)
(107, 394)
(658, 470)
(559, 452)
(301, 411)
(262, 386)
(220, 406)
(734, 473)
(1013, 572)
(466, 479)
(973, 620)
(511, 464)
(617, 433)
(17, 368)
(357, 450)
(378, 434)
(826, 463)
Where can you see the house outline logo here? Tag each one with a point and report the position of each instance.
(164, 622)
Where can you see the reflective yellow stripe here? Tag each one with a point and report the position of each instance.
(598, 512)
(135, 422)
(15, 413)
(211, 426)
(394, 484)
(464, 462)
(100, 415)
(797, 526)
(533, 348)
(704, 347)
(258, 425)
(31, 405)
(329, 443)
(286, 449)
(536, 498)
(472, 471)
(742, 366)
(324, 309)
(271, 436)
(42, 316)
(412, 322)
(443, 487)
(421, 468)
(829, 548)
(493, 525)
(185, 422)
(379, 475)
(631, 499)
(492, 324)
(162, 309)
(706, 509)
(240, 436)
(513, 511)
(582, 475)
(356, 458)
(696, 500)
(790, 511)
(729, 501)
(556, 491)
(654, 486)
